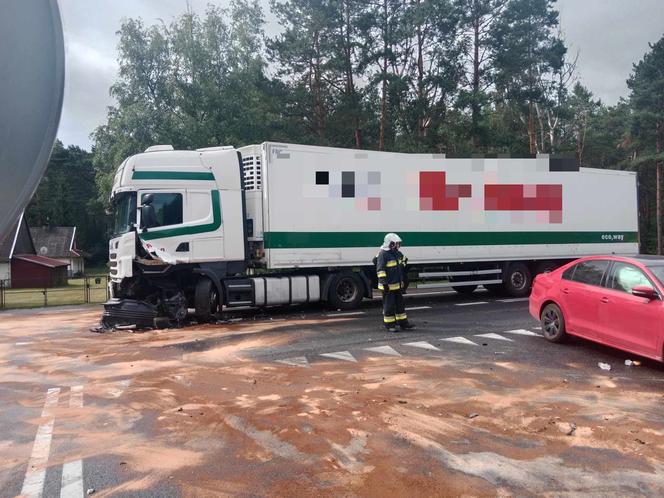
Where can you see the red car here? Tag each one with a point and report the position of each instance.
(616, 301)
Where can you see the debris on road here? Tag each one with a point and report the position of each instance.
(90, 491)
(472, 415)
(604, 366)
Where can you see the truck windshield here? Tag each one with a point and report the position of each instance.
(124, 212)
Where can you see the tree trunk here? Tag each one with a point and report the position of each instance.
(383, 96)
(476, 76)
(532, 135)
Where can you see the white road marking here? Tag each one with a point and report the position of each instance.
(471, 304)
(439, 293)
(460, 340)
(72, 480)
(340, 355)
(297, 361)
(384, 350)
(494, 336)
(76, 397)
(72, 472)
(22, 343)
(413, 308)
(521, 332)
(537, 328)
(421, 344)
(350, 313)
(514, 300)
(33, 485)
(116, 392)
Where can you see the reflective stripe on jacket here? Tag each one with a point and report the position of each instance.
(390, 270)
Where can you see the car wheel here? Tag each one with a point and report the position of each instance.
(553, 323)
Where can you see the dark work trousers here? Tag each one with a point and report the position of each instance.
(393, 307)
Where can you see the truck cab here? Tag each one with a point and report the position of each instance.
(176, 214)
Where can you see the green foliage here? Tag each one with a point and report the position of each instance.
(67, 196)
(461, 77)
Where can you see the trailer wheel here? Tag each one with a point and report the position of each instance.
(517, 280)
(466, 290)
(346, 291)
(206, 300)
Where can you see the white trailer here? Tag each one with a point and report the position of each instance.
(276, 224)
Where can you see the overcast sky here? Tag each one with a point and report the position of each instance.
(609, 35)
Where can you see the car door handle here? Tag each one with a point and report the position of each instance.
(605, 300)
(565, 291)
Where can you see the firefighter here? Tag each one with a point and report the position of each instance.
(391, 271)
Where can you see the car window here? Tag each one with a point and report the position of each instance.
(590, 272)
(624, 277)
(569, 273)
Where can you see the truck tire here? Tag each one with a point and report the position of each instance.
(206, 300)
(466, 290)
(346, 291)
(517, 280)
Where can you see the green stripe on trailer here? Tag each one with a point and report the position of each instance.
(316, 240)
(153, 234)
(171, 175)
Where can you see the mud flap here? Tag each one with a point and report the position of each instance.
(129, 313)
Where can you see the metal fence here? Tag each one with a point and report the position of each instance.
(80, 290)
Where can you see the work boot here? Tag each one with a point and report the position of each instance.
(391, 327)
(406, 325)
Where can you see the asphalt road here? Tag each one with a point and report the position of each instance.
(311, 402)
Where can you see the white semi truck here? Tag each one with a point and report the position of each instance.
(280, 224)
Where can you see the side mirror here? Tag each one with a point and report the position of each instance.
(645, 291)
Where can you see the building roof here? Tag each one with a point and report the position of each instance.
(55, 242)
(40, 260)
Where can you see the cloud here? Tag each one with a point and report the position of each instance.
(610, 35)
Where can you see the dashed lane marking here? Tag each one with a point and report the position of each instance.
(340, 355)
(384, 350)
(422, 345)
(33, 485)
(72, 480)
(460, 340)
(494, 336)
(522, 332)
(413, 308)
(514, 300)
(296, 361)
(350, 313)
(471, 304)
(22, 343)
(72, 472)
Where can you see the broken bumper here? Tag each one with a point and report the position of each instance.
(129, 313)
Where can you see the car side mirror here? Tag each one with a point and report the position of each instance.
(645, 291)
